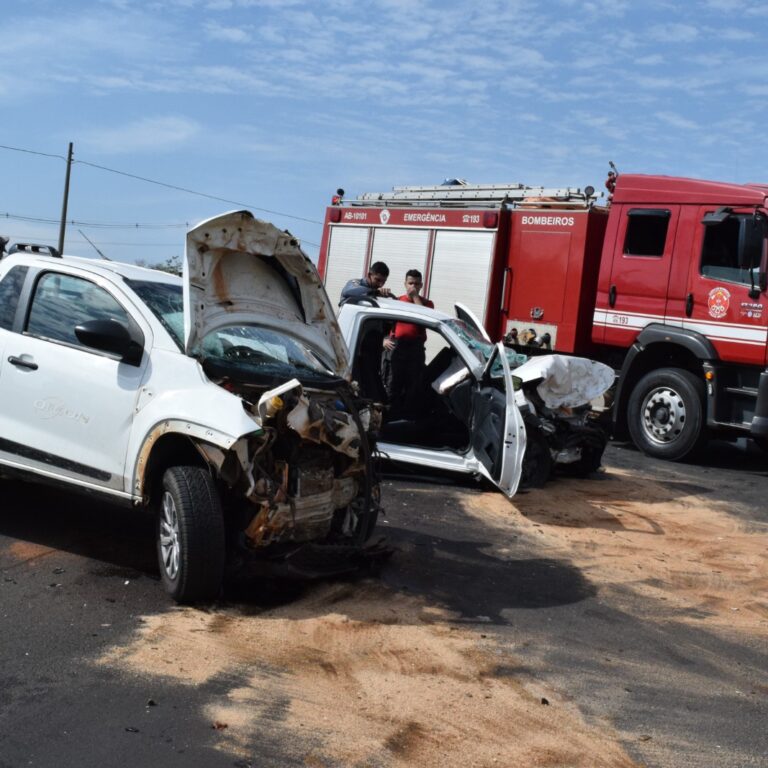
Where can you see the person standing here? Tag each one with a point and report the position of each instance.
(370, 286)
(404, 351)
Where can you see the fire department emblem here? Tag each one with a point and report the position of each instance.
(719, 300)
(384, 216)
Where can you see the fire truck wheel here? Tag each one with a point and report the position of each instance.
(666, 414)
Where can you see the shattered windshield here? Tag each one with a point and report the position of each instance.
(261, 351)
(166, 302)
(482, 349)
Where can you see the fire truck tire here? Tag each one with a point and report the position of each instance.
(665, 414)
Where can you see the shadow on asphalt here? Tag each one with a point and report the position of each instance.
(122, 538)
(464, 577)
(452, 571)
(742, 455)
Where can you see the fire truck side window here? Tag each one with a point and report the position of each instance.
(646, 232)
(720, 252)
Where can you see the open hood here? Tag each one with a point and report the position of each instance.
(239, 270)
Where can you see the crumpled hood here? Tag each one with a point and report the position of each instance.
(239, 270)
(566, 381)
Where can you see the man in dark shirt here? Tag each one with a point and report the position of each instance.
(405, 349)
(370, 286)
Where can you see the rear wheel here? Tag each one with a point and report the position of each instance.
(666, 414)
(190, 536)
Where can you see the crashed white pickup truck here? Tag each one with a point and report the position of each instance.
(218, 402)
(478, 408)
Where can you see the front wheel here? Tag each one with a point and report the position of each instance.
(191, 547)
(666, 414)
(537, 459)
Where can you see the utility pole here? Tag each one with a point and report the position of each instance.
(63, 224)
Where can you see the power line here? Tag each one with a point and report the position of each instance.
(25, 238)
(53, 222)
(32, 152)
(92, 224)
(199, 194)
(164, 184)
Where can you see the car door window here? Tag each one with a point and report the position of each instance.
(62, 302)
(10, 289)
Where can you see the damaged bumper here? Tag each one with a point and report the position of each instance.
(307, 475)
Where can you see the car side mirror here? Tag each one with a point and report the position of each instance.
(113, 337)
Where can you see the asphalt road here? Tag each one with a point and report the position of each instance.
(77, 580)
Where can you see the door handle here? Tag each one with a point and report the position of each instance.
(17, 361)
(689, 305)
(612, 296)
(504, 308)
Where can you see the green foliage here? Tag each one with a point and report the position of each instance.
(172, 265)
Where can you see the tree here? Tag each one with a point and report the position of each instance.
(172, 265)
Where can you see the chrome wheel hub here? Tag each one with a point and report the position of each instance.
(663, 415)
(170, 546)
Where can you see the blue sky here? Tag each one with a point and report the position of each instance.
(276, 103)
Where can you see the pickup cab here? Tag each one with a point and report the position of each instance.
(219, 402)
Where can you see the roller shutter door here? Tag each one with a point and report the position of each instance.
(346, 258)
(400, 250)
(461, 270)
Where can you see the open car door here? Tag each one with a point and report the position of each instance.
(497, 430)
(470, 318)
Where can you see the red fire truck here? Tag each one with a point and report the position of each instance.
(666, 281)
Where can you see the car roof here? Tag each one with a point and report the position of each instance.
(97, 266)
(402, 307)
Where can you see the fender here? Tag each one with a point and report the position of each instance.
(696, 343)
(182, 406)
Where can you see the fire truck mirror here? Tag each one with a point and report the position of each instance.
(752, 242)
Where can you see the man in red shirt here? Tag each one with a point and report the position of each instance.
(405, 349)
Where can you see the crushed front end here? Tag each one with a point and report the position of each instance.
(307, 477)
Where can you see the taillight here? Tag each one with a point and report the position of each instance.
(334, 215)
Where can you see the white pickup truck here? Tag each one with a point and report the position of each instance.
(218, 402)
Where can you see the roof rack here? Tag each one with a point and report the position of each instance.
(34, 248)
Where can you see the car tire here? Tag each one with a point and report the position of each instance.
(666, 414)
(537, 459)
(191, 549)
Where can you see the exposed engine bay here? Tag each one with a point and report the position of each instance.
(306, 475)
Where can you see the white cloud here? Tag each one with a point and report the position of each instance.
(650, 60)
(227, 34)
(677, 121)
(150, 134)
(736, 35)
(673, 33)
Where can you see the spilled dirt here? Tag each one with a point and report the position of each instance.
(364, 673)
(368, 677)
(673, 542)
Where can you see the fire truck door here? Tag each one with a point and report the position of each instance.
(729, 250)
(642, 258)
